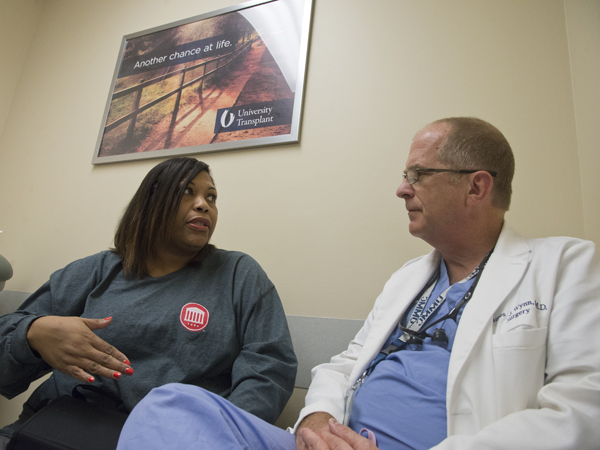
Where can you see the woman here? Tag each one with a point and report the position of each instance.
(164, 306)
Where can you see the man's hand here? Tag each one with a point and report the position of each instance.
(338, 438)
(69, 345)
(317, 422)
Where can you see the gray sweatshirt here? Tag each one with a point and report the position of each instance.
(219, 325)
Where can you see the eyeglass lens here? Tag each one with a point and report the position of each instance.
(412, 176)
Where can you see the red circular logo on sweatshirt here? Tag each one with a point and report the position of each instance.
(194, 317)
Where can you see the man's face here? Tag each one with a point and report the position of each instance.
(434, 205)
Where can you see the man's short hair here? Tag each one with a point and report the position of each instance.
(147, 221)
(473, 143)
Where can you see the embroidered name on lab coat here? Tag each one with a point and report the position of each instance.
(521, 309)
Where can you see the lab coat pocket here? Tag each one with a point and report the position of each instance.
(519, 363)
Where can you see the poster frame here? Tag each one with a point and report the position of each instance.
(252, 142)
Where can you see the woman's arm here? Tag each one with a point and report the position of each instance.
(264, 372)
(45, 331)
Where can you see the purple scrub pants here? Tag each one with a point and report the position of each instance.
(181, 416)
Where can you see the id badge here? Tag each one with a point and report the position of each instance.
(349, 398)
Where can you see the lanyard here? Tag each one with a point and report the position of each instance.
(415, 324)
(419, 316)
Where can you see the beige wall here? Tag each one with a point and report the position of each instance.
(583, 30)
(320, 216)
(18, 20)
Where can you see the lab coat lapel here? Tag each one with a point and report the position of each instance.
(397, 296)
(505, 268)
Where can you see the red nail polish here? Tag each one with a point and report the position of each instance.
(91, 379)
(127, 362)
(108, 318)
(117, 374)
(129, 371)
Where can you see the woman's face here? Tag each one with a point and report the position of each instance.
(196, 218)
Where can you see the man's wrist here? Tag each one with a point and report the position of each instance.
(315, 421)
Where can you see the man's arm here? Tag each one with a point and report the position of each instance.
(325, 399)
(327, 390)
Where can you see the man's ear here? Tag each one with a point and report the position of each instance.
(480, 187)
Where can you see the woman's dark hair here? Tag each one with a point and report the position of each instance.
(148, 219)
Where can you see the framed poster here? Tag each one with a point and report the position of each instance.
(224, 80)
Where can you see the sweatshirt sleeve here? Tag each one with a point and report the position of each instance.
(264, 372)
(64, 294)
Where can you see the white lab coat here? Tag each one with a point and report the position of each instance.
(525, 366)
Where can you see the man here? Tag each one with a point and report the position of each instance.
(490, 341)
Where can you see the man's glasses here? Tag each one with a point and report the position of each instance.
(412, 175)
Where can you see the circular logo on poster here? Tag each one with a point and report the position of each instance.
(194, 317)
(227, 119)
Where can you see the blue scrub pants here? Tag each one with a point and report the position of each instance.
(184, 416)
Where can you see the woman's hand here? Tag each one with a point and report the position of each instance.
(69, 345)
(338, 438)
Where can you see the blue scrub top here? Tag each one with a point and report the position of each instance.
(403, 401)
